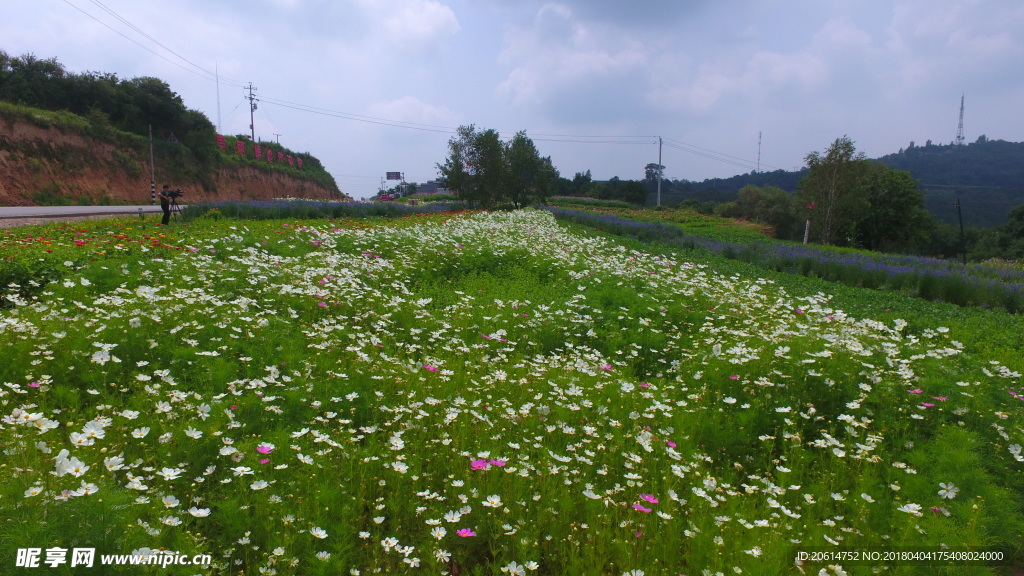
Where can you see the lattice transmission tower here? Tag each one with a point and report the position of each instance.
(960, 130)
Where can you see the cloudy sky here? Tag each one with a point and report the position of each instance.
(370, 86)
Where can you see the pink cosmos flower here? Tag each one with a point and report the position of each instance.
(799, 311)
(321, 304)
(607, 367)
(940, 398)
(33, 384)
(641, 508)
(649, 498)
(265, 448)
(927, 405)
(915, 391)
(734, 377)
(478, 465)
(431, 368)
(670, 443)
(264, 460)
(465, 532)
(645, 385)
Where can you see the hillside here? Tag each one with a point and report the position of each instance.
(68, 138)
(988, 176)
(45, 163)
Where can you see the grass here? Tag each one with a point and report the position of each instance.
(989, 285)
(467, 393)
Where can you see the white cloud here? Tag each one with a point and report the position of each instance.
(412, 24)
(562, 64)
(410, 109)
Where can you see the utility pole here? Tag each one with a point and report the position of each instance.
(963, 241)
(659, 171)
(278, 137)
(152, 170)
(216, 71)
(252, 108)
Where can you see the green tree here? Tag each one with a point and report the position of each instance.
(529, 178)
(830, 192)
(474, 165)
(767, 205)
(896, 218)
(486, 172)
(581, 181)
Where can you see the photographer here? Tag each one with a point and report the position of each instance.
(165, 204)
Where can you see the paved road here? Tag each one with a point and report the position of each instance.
(22, 215)
(72, 211)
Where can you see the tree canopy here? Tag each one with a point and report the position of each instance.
(484, 171)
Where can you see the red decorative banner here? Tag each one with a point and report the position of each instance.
(256, 151)
(289, 157)
(299, 160)
(270, 155)
(221, 143)
(240, 146)
(280, 157)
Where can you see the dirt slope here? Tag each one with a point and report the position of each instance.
(38, 163)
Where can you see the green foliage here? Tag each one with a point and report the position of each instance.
(50, 195)
(486, 172)
(128, 162)
(588, 375)
(769, 205)
(121, 112)
(895, 217)
(568, 201)
(830, 193)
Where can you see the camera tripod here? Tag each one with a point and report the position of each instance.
(175, 209)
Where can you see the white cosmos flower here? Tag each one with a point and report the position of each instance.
(170, 473)
(170, 501)
(911, 508)
(318, 532)
(259, 485)
(513, 569)
(199, 512)
(948, 490)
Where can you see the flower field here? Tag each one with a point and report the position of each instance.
(487, 393)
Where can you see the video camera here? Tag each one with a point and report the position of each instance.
(173, 193)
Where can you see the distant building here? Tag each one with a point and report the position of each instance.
(432, 187)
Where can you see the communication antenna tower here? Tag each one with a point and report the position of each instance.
(759, 152)
(960, 130)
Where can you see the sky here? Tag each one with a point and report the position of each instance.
(372, 86)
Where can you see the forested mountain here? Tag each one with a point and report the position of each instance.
(988, 176)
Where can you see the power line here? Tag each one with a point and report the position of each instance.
(540, 137)
(196, 69)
